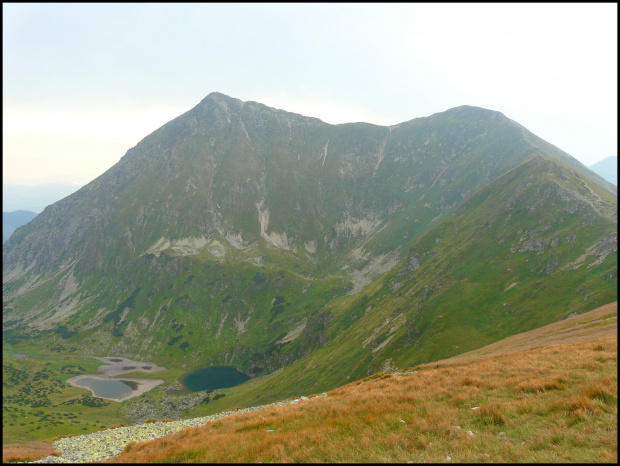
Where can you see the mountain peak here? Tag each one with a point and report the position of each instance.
(266, 240)
(220, 98)
(473, 111)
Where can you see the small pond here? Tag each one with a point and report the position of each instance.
(107, 388)
(213, 378)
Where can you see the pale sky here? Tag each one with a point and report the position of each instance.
(83, 83)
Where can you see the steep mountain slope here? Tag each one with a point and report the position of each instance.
(523, 252)
(240, 234)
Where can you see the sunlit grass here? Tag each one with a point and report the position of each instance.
(26, 452)
(555, 403)
(535, 400)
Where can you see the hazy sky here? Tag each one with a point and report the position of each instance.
(83, 83)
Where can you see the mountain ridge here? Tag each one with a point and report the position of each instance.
(238, 234)
(216, 99)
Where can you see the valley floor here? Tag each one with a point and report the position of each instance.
(541, 397)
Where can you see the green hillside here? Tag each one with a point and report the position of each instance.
(503, 263)
(306, 254)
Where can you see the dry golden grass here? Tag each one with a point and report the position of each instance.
(114, 426)
(31, 451)
(26, 452)
(150, 420)
(551, 403)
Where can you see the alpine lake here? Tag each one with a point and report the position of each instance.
(209, 378)
(212, 378)
(110, 388)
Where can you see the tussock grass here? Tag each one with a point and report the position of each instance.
(605, 391)
(492, 414)
(541, 384)
(114, 426)
(26, 452)
(147, 421)
(545, 404)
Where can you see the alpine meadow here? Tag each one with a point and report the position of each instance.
(353, 263)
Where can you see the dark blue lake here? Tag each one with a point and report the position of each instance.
(105, 388)
(212, 378)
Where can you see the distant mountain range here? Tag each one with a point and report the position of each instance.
(607, 168)
(11, 221)
(33, 198)
(313, 254)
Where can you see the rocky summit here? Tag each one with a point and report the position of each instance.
(239, 234)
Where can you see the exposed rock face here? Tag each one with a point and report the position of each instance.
(596, 253)
(246, 171)
(217, 234)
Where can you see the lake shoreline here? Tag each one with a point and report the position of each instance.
(144, 385)
(115, 366)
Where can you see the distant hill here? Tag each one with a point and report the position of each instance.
(34, 198)
(11, 221)
(607, 168)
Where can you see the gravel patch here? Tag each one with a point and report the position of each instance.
(172, 407)
(103, 445)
